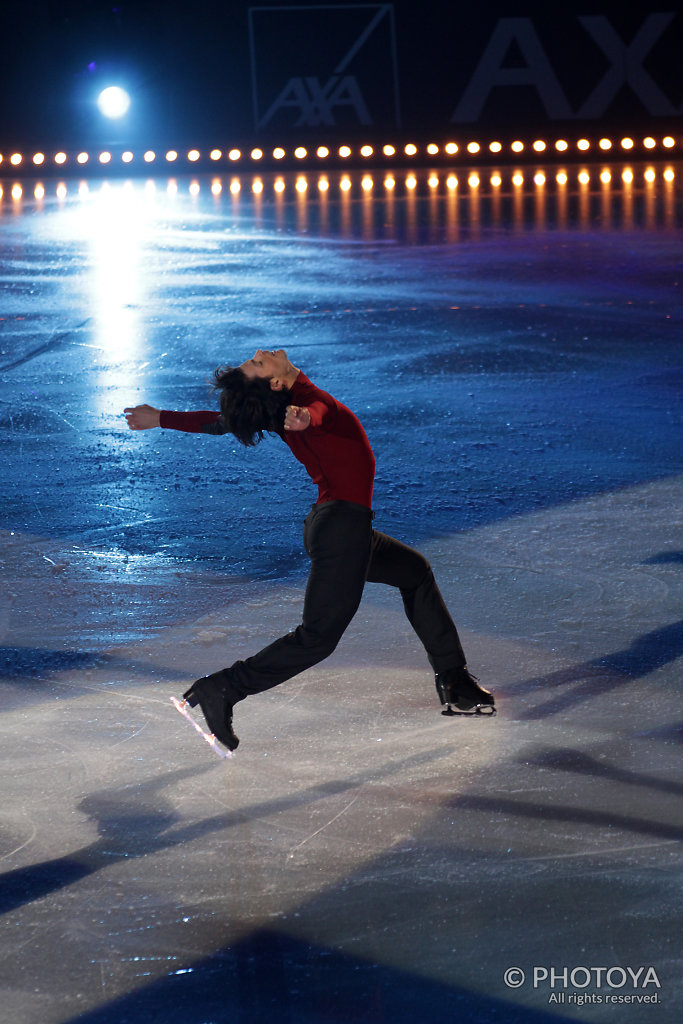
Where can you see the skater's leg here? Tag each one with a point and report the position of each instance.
(337, 537)
(400, 566)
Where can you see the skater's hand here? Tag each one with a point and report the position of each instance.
(142, 417)
(297, 418)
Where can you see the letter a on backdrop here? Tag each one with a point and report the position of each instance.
(491, 72)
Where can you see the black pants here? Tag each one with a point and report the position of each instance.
(345, 551)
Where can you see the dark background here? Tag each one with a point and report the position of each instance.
(189, 69)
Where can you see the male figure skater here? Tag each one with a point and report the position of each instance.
(269, 393)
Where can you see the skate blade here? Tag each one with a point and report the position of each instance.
(483, 710)
(182, 707)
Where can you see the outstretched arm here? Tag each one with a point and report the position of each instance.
(204, 421)
(143, 417)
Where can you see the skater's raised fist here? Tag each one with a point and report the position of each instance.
(142, 417)
(297, 418)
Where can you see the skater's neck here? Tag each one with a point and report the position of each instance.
(290, 376)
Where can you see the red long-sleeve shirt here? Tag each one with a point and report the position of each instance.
(334, 449)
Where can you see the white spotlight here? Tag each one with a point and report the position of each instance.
(113, 102)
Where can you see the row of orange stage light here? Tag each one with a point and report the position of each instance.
(583, 178)
(234, 156)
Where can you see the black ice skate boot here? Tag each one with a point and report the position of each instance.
(210, 693)
(458, 688)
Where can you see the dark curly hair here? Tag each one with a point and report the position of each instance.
(248, 405)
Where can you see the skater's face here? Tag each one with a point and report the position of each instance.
(272, 366)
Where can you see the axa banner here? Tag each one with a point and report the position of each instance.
(514, 57)
(240, 70)
(345, 66)
(324, 66)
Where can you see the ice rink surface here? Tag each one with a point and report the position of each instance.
(515, 357)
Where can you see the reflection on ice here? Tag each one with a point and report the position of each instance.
(616, 196)
(118, 221)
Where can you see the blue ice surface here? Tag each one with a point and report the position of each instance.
(515, 367)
